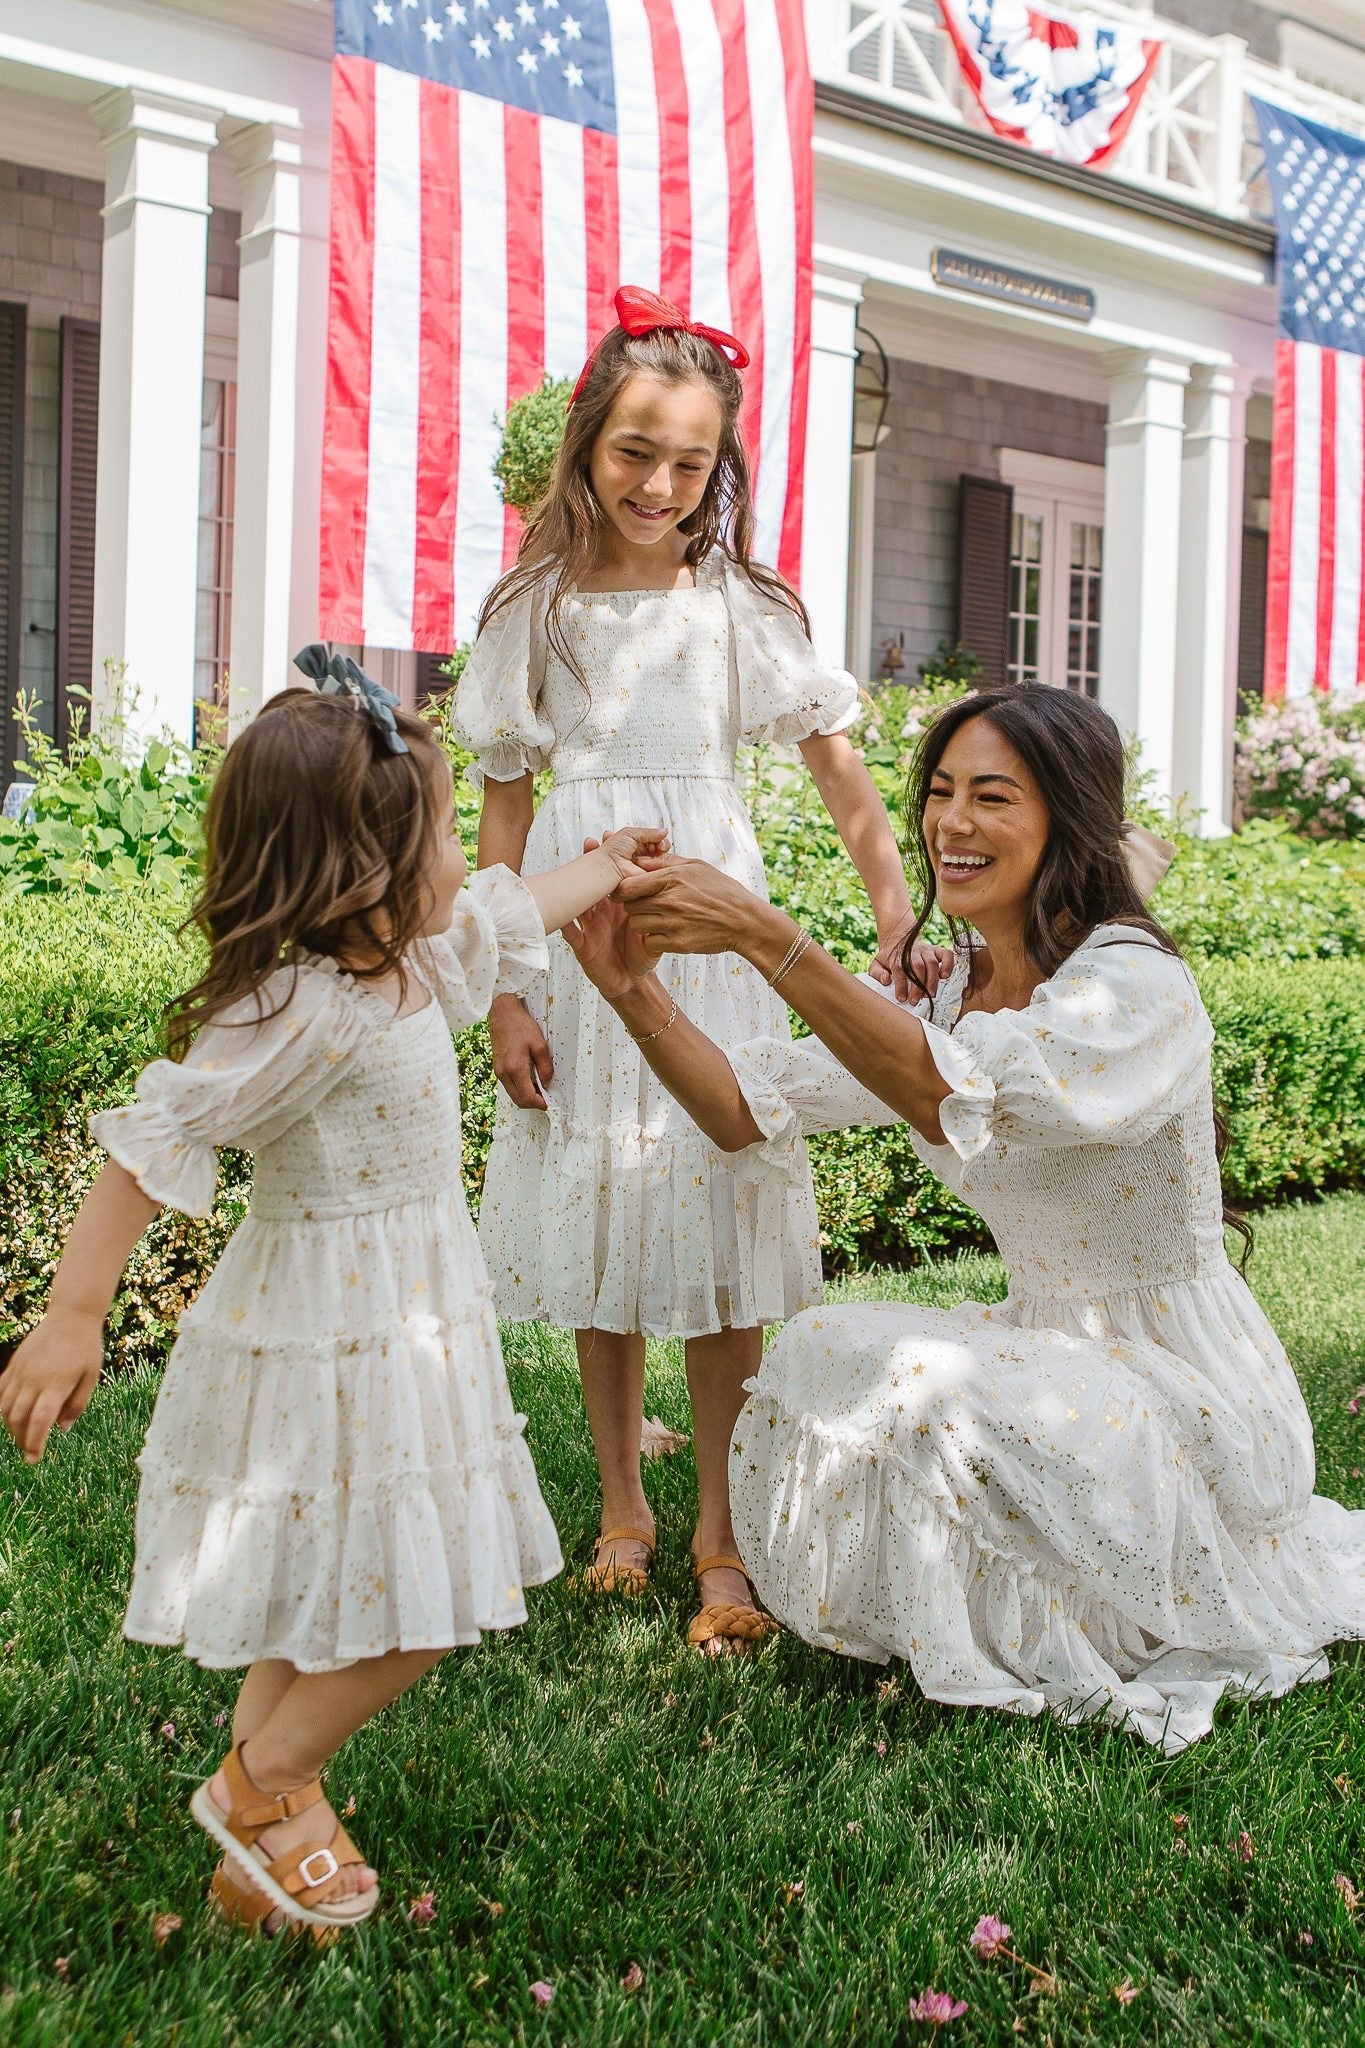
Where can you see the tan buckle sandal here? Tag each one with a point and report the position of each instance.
(724, 1621)
(301, 1882)
(631, 1580)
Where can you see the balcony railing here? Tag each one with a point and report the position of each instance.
(1194, 137)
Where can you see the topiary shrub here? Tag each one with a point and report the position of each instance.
(531, 435)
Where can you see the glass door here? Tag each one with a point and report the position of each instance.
(1056, 566)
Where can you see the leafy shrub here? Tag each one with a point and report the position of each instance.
(114, 812)
(83, 979)
(531, 435)
(1303, 760)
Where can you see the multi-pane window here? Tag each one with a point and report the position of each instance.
(213, 619)
(1056, 571)
(1026, 596)
(1083, 607)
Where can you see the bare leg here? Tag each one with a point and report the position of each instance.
(612, 1368)
(717, 1368)
(310, 1718)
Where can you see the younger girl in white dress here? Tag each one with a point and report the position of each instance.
(334, 1485)
(632, 648)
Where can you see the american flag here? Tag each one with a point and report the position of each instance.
(499, 167)
(1315, 613)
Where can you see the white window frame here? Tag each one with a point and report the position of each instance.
(1056, 492)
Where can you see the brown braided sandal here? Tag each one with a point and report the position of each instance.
(301, 1883)
(631, 1580)
(739, 1629)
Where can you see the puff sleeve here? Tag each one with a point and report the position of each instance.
(495, 946)
(786, 693)
(796, 1087)
(247, 1077)
(1109, 1050)
(497, 699)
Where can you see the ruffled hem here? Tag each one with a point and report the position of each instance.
(654, 1231)
(168, 1168)
(504, 761)
(520, 930)
(858, 1551)
(427, 1558)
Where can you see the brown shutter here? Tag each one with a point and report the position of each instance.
(13, 337)
(1251, 631)
(985, 508)
(80, 394)
(430, 680)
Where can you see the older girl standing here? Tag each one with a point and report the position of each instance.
(632, 648)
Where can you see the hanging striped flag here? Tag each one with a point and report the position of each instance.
(1315, 617)
(498, 169)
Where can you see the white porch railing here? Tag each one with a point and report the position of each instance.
(1194, 136)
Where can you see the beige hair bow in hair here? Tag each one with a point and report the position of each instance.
(1147, 856)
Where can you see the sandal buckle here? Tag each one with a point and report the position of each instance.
(325, 1876)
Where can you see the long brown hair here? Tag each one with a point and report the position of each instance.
(1074, 752)
(559, 542)
(318, 839)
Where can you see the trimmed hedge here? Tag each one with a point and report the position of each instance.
(82, 982)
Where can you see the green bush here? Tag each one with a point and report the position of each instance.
(83, 980)
(531, 435)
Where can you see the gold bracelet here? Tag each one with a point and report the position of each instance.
(790, 957)
(672, 1018)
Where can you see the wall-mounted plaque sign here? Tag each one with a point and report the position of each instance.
(1021, 287)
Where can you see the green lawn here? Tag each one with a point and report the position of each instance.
(789, 1849)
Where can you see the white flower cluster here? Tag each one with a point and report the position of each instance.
(1304, 760)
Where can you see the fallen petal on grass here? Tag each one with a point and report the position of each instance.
(936, 2008)
(1305, 1937)
(634, 1977)
(1243, 1847)
(1126, 1992)
(794, 1890)
(1350, 1897)
(167, 1731)
(989, 1936)
(542, 1992)
(422, 1909)
(164, 1926)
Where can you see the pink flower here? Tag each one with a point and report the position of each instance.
(1245, 1851)
(167, 1731)
(633, 1978)
(422, 1909)
(936, 2008)
(1126, 1992)
(879, 1746)
(164, 1926)
(1305, 1938)
(989, 1936)
(220, 1720)
(542, 1992)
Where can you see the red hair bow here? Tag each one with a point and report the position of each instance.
(642, 312)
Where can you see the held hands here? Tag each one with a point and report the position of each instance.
(609, 952)
(629, 846)
(50, 1379)
(932, 964)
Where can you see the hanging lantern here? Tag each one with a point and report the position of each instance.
(871, 393)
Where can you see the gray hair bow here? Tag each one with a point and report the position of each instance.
(336, 675)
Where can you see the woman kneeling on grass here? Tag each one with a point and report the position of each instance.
(334, 1486)
(1096, 1496)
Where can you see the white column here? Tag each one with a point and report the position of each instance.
(1210, 590)
(310, 393)
(1142, 549)
(151, 396)
(836, 296)
(268, 165)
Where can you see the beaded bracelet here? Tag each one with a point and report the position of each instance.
(790, 957)
(672, 1018)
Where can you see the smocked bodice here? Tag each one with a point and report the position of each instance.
(387, 1134)
(657, 699)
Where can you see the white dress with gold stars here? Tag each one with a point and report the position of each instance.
(610, 1210)
(334, 1468)
(1097, 1496)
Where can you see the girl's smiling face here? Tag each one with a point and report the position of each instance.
(654, 455)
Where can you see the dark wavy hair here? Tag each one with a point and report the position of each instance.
(1075, 755)
(317, 838)
(559, 541)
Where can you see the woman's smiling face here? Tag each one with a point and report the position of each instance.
(652, 459)
(985, 825)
